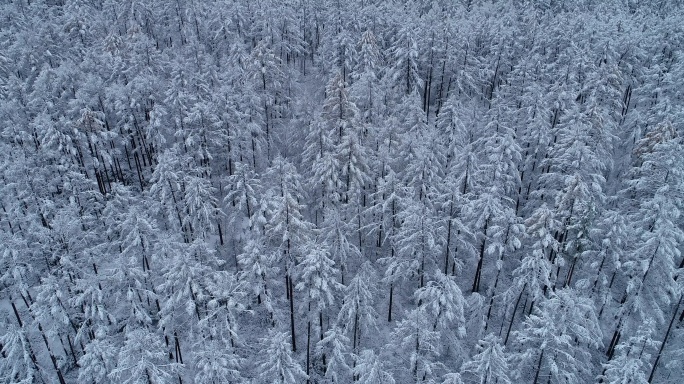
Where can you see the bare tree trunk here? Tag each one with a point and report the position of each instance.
(478, 271)
(292, 321)
(662, 345)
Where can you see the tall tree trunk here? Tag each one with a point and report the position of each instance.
(667, 335)
(515, 309)
(491, 299)
(478, 271)
(539, 364)
(292, 321)
(447, 251)
(391, 298)
(308, 349)
(176, 342)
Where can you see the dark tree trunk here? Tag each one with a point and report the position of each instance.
(515, 309)
(478, 271)
(662, 345)
(292, 320)
(391, 298)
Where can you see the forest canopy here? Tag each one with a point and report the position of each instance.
(327, 191)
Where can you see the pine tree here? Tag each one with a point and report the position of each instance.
(166, 187)
(287, 229)
(492, 210)
(318, 282)
(187, 269)
(357, 314)
(369, 369)
(244, 193)
(535, 274)
(630, 363)
(366, 89)
(461, 164)
(443, 301)
(18, 363)
(460, 141)
(128, 280)
(142, 360)
(214, 362)
(424, 162)
(417, 242)
(334, 346)
(404, 58)
(339, 113)
(557, 335)
(319, 154)
(258, 268)
(268, 80)
(97, 361)
(277, 365)
(353, 160)
(614, 238)
(217, 337)
(336, 233)
(201, 206)
(489, 364)
(387, 206)
(419, 345)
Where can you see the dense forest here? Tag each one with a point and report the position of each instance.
(328, 191)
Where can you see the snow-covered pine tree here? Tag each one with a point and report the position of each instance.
(18, 362)
(556, 338)
(443, 302)
(419, 345)
(98, 360)
(257, 269)
(418, 242)
(318, 282)
(336, 233)
(489, 364)
(366, 89)
(335, 347)
(535, 275)
(242, 200)
(370, 369)
(143, 360)
(277, 365)
(215, 348)
(287, 229)
(630, 364)
(357, 314)
(403, 54)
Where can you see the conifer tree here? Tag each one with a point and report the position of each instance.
(142, 359)
(337, 233)
(97, 361)
(419, 346)
(443, 301)
(556, 338)
(277, 365)
(335, 347)
(630, 364)
(357, 314)
(369, 369)
(258, 268)
(489, 364)
(18, 363)
(318, 282)
(404, 62)
(287, 229)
